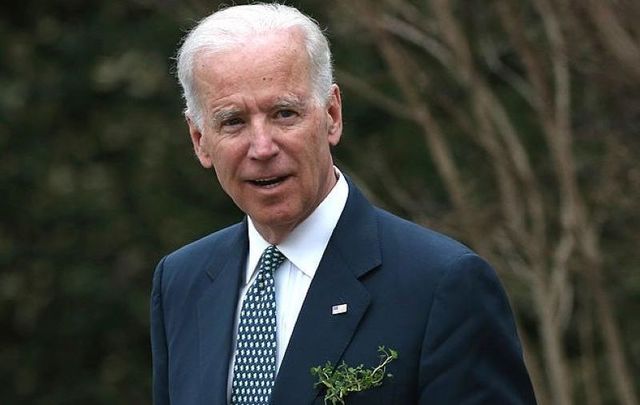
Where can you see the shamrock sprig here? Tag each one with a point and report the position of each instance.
(341, 380)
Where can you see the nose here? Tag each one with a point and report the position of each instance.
(262, 145)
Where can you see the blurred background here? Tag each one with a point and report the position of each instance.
(512, 125)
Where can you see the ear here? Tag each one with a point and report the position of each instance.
(334, 115)
(199, 144)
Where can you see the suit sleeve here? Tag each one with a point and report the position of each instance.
(159, 341)
(471, 353)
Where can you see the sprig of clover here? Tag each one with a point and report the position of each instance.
(341, 380)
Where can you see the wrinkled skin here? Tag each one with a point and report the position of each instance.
(264, 133)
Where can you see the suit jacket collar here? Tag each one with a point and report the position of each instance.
(319, 336)
(216, 314)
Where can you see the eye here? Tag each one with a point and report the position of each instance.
(232, 122)
(286, 113)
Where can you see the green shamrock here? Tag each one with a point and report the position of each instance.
(340, 381)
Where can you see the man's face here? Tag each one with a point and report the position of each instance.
(264, 133)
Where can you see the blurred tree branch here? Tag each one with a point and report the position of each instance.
(544, 231)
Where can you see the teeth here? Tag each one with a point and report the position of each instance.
(266, 182)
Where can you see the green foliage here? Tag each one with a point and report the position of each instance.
(97, 184)
(338, 382)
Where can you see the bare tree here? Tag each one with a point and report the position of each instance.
(541, 226)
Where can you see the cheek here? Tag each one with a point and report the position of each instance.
(316, 143)
(224, 171)
(226, 157)
(223, 168)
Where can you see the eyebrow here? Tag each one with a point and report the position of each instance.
(290, 101)
(225, 114)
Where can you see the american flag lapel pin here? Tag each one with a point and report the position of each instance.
(339, 309)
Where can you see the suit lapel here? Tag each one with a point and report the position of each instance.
(319, 336)
(216, 318)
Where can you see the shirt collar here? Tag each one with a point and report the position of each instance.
(305, 245)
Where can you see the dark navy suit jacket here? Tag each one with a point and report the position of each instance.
(407, 288)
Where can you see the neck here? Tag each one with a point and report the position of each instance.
(272, 235)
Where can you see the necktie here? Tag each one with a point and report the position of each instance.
(254, 370)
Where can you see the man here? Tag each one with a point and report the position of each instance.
(339, 277)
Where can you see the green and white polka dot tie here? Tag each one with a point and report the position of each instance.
(254, 370)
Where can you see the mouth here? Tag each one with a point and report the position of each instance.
(268, 182)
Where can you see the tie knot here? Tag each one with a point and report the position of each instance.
(271, 258)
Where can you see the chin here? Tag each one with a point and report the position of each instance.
(275, 219)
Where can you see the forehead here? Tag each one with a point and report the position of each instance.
(256, 61)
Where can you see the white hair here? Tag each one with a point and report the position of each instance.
(231, 27)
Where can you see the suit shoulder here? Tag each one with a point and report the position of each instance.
(205, 245)
(202, 254)
(399, 231)
(417, 259)
(418, 252)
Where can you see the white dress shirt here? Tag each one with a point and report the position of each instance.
(303, 250)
